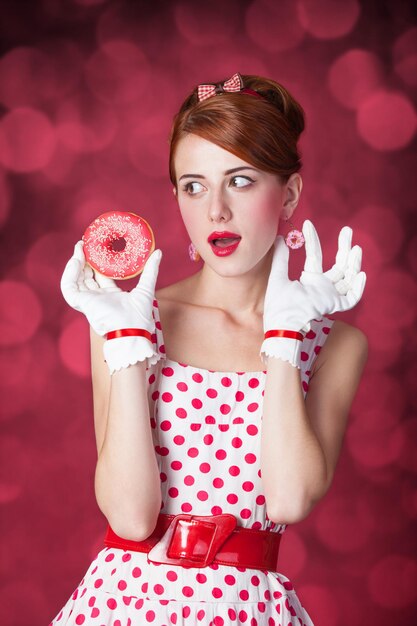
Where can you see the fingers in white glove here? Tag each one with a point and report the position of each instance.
(279, 267)
(353, 266)
(71, 276)
(105, 282)
(149, 274)
(314, 256)
(338, 270)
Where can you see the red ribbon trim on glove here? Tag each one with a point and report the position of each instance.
(129, 332)
(292, 334)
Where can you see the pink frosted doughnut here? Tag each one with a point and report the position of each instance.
(117, 244)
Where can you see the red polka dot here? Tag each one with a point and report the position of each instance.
(252, 429)
(179, 440)
(172, 576)
(218, 482)
(223, 427)
(212, 393)
(136, 572)
(189, 480)
(173, 492)
(95, 612)
(150, 616)
(186, 611)
(243, 616)
(218, 621)
(139, 603)
(202, 495)
(221, 454)
(187, 591)
(167, 371)
(234, 470)
(317, 349)
(217, 592)
(201, 578)
(304, 356)
(196, 402)
(245, 513)
(109, 557)
(232, 498)
(200, 614)
(225, 409)
(181, 413)
(253, 382)
(250, 458)
(239, 396)
(260, 499)
(247, 485)
(194, 427)
(193, 452)
(151, 379)
(243, 594)
(209, 419)
(80, 619)
(173, 618)
(253, 406)
(326, 330)
(126, 557)
(158, 589)
(310, 335)
(261, 607)
(166, 396)
(229, 579)
(226, 382)
(216, 510)
(165, 425)
(112, 604)
(186, 507)
(208, 439)
(304, 385)
(236, 442)
(122, 584)
(204, 467)
(182, 386)
(176, 465)
(255, 580)
(197, 378)
(238, 420)
(91, 601)
(98, 583)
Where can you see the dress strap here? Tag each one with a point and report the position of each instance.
(157, 336)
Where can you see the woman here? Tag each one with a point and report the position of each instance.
(208, 442)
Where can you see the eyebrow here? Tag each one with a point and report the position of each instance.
(232, 171)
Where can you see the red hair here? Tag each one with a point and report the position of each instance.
(261, 131)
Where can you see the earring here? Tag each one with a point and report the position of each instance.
(294, 238)
(193, 253)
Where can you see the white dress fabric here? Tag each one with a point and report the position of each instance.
(206, 428)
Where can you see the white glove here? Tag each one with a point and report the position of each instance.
(108, 308)
(291, 305)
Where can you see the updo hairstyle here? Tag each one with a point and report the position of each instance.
(261, 131)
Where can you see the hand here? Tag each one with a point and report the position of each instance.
(291, 305)
(109, 308)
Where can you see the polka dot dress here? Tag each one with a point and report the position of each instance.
(206, 428)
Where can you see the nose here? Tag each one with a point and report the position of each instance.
(219, 209)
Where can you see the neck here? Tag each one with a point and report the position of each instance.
(239, 296)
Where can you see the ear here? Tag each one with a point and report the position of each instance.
(292, 193)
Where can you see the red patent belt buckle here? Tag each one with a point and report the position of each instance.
(193, 540)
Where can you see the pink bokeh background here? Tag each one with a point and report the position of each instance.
(88, 89)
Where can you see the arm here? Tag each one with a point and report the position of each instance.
(127, 482)
(301, 440)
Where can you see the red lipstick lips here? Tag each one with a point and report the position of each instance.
(223, 243)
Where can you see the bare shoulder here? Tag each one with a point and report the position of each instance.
(346, 344)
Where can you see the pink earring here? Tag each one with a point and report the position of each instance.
(294, 238)
(193, 253)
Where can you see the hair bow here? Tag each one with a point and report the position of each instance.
(233, 84)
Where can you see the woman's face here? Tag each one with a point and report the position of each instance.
(218, 192)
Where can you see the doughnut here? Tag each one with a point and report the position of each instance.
(117, 244)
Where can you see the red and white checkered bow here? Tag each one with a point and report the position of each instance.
(233, 84)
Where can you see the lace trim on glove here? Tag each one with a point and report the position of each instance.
(124, 351)
(282, 348)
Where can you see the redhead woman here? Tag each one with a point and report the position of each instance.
(222, 423)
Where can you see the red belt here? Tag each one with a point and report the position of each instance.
(198, 540)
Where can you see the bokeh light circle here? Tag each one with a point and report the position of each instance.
(392, 581)
(354, 76)
(27, 140)
(74, 347)
(213, 23)
(387, 120)
(405, 56)
(384, 226)
(337, 516)
(375, 446)
(274, 26)
(118, 72)
(21, 71)
(21, 312)
(326, 19)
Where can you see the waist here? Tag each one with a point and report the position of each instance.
(199, 540)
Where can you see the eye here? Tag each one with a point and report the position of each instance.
(193, 187)
(241, 181)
